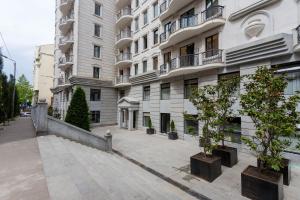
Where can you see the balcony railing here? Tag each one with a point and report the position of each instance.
(298, 33)
(123, 12)
(192, 20)
(124, 34)
(123, 57)
(65, 39)
(207, 57)
(164, 6)
(60, 81)
(122, 79)
(67, 17)
(65, 60)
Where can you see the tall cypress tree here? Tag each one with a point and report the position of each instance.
(78, 111)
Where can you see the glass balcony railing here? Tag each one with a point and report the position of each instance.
(123, 57)
(122, 79)
(123, 12)
(64, 19)
(65, 60)
(124, 34)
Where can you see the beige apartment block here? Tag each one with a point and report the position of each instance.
(151, 52)
(43, 69)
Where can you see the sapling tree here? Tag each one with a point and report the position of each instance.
(227, 88)
(205, 100)
(172, 126)
(274, 116)
(150, 123)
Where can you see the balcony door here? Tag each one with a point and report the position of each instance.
(187, 57)
(211, 8)
(187, 19)
(212, 45)
(167, 58)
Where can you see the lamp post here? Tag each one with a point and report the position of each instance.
(14, 82)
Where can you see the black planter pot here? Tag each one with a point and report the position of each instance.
(261, 185)
(228, 155)
(285, 170)
(150, 131)
(207, 168)
(173, 135)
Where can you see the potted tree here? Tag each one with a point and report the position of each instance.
(204, 164)
(173, 134)
(226, 90)
(275, 118)
(150, 130)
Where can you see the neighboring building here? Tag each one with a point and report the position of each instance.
(43, 68)
(164, 48)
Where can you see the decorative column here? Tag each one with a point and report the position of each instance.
(120, 117)
(130, 122)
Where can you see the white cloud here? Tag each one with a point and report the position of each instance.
(24, 25)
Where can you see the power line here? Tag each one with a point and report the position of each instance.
(5, 45)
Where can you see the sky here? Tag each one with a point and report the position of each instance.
(25, 24)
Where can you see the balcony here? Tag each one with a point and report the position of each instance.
(66, 23)
(297, 46)
(123, 38)
(66, 42)
(193, 63)
(122, 81)
(124, 16)
(124, 60)
(65, 6)
(122, 3)
(170, 7)
(191, 26)
(65, 62)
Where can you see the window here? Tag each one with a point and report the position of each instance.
(293, 79)
(97, 51)
(96, 72)
(146, 93)
(136, 21)
(189, 86)
(145, 66)
(136, 47)
(122, 94)
(98, 9)
(155, 63)
(228, 76)
(136, 69)
(97, 30)
(95, 95)
(191, 127)
(137, 3)
(233, 130)
(155, 9)
(145, 40)
(155, 36)
(146, 119)
(145, 14)
(212, 45)
(165, 122)
(95, 116)
(165, 91)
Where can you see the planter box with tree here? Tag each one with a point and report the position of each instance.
(173, 134)
(275, 118)
(150, 130)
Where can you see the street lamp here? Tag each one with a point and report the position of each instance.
(14, 81)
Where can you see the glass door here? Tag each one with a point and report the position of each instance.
(165, 122)
(211, 8)
(212, 45)
(187, 19)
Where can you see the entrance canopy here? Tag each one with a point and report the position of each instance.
(127, 102)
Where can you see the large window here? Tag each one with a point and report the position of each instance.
(145, 40)
(223, 77)
(191, 127)
(136, 47)
(145, 66)
(165, 91)
(95, 95)
(136, 69)
(136, 21)
(293, 79)
(212, 45)
(145, 14)
(98, 9)
(96, 72)
(155, 9)
(146, 119)
(155, 63)
(146, 93)
(233, 130)
(97, 30)
(95, 116)
(155, 36)
(137, 3)
(165, 122)
(189, 86)
(97, 51)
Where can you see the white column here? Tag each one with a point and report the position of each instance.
(120, 117)
(130, 122)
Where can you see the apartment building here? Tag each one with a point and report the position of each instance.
(43, 68)
(158, 50)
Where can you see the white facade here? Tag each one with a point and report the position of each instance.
(43, 68)
(162, 46)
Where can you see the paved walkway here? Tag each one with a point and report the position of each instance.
(21, 171)
(171, 158)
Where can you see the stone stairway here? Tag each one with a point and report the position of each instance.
(75, 171)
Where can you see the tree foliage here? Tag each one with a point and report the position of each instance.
(78, 111)
(25, 90)
(273, 114)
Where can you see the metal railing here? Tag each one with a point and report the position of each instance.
(64, 19)
(193, 60)
(125, 11)
(60, 81)
(163, 37)
(212, 13)
(123, 57)
(122, 79)
(164, 6)
(188, 21)
(65, 60)
(124, 34)
(65, 39)
(298, 33)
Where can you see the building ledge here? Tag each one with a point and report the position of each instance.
(85, 81)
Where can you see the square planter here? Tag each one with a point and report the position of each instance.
(150, 131)
(285, 170)
(207, 168)
(261, 185)
(228, 155)
(173, 135)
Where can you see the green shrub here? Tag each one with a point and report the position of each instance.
(172, 126)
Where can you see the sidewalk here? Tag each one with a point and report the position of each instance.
(171, 159)
(21, 170)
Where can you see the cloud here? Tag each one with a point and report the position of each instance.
(25, 24)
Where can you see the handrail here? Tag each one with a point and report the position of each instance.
(66, 59)
(122, 79)
(123, 56)
(125, 11)
(64, 19)
(124, 34)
